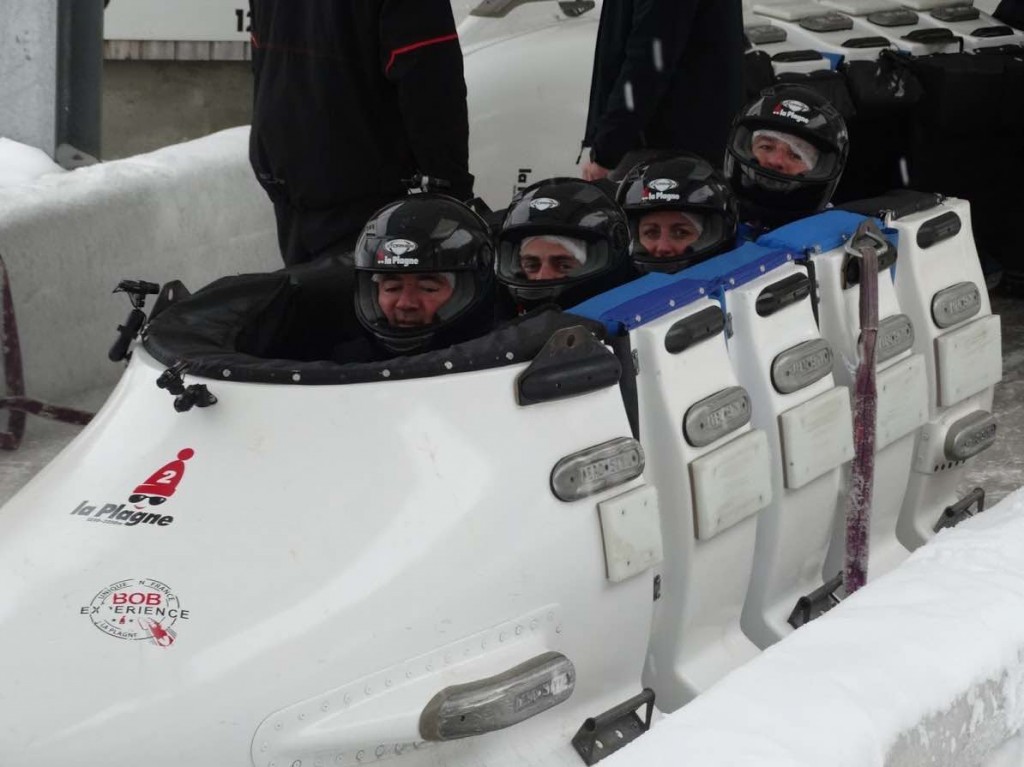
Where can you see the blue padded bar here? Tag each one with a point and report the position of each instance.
(655, 295)
(740, 266)
(643, 300)
(828, 231)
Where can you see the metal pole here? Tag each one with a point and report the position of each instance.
(79, 82)
(28, 53)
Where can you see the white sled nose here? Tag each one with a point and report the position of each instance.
(339, 556)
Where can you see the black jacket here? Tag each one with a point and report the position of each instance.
(351, 97)
(668, 74)
(1011, 12)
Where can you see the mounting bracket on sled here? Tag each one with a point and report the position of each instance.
(185, 397)
(603, 735)
(576, 8)
(867, 234)
(817, 603)
(962, 509)
(425, 184)
(137, 290)
(571, 363)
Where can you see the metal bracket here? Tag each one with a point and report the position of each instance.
(605, 734)
(817, 603)
(185, 397)
(961, 510)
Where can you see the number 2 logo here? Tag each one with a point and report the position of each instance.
(167, 478)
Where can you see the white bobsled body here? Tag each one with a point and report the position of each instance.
(528, 82)
(332, 558)
(345, 558)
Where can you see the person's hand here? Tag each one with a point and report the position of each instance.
(591, 171)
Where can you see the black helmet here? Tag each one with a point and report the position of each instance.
(687, 185)
(403, 243)
(583, 229)
(803, 144)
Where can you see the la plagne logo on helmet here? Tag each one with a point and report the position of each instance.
(396, 252)
(661, 189)
(544, 203)
(142, 502)
(794, 110)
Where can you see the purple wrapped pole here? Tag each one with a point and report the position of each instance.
(865, 407)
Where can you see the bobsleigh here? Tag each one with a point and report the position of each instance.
(510, 551)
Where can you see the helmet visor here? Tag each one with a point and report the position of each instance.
(669, 240)
(404, 309)
(785, 154)
(550, 260)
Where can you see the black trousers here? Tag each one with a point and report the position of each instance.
(305, 235)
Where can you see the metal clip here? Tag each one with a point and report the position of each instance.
(603, 735)
(817, 603)
(961, 510)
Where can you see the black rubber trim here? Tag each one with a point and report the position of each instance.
(698, 327)
(786, 57)
(933, 35)
(866, 42)
(938, 229)
(1000, 31)
(783, 293)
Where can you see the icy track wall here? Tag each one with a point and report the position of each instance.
(925, 666)
(192, 212)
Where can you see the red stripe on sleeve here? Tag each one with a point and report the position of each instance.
(415, 46)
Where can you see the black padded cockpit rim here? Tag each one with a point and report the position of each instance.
(206, 330)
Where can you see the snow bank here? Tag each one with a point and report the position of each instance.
(20, 164)
(192, 212)
(925, 666)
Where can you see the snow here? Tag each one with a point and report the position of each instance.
(923, 666)
(192, 212)
(22, 164)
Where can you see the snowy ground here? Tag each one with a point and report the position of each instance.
(21, 164)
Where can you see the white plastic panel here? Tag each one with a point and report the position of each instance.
(789, 11)
(731, 483)
(817, 436)
(902, 400)
(632, 533)
(860, 7)
(969, 359)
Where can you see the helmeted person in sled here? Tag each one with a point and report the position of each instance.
(424, 279)
(562, 241)
(787, 151)
(680, 212)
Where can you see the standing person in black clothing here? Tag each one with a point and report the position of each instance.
(667, 75)
(352, 97)
(1011, 12)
